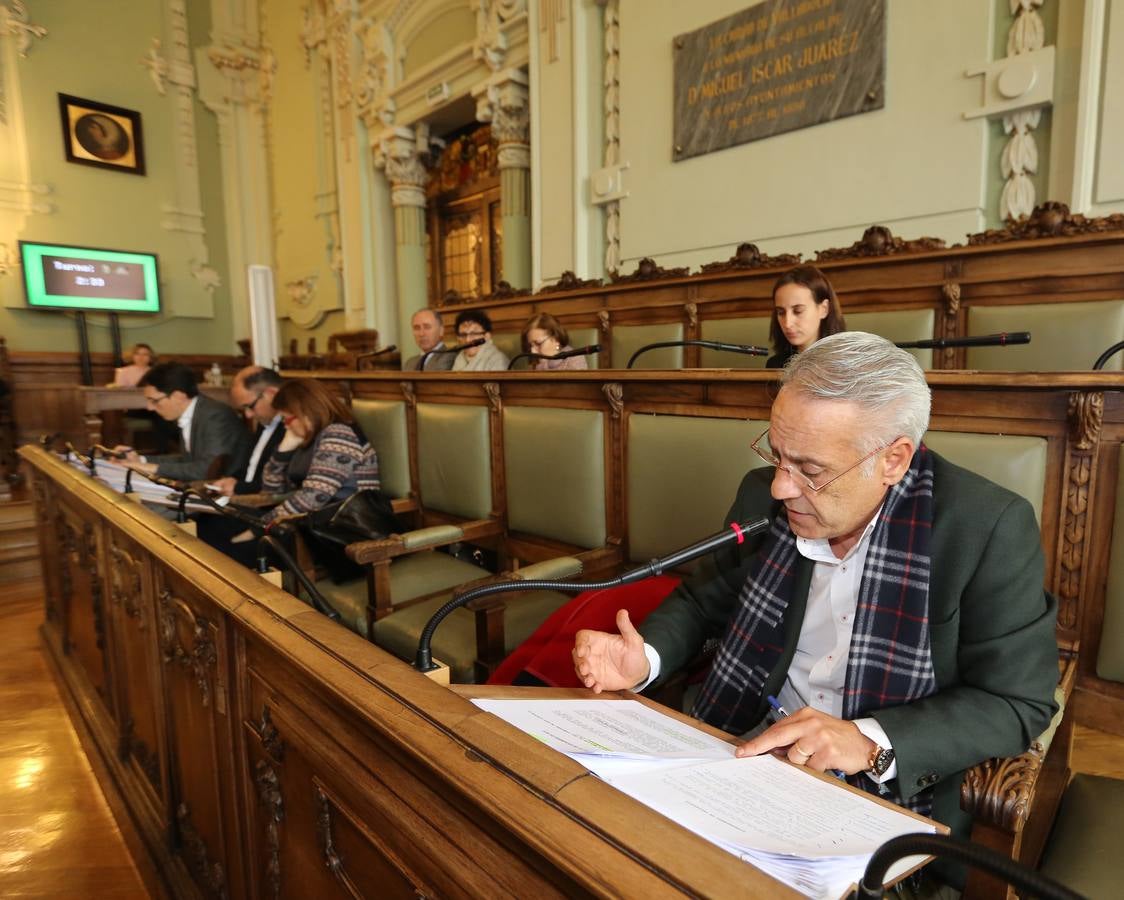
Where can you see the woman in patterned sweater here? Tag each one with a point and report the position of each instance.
(324, 455)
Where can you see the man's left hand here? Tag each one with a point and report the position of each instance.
(816, 740)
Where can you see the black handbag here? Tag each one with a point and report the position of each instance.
(364, 516)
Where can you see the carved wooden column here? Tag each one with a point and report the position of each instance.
(400, 156)
(503, 101)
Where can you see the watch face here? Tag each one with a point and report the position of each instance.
(882, 762)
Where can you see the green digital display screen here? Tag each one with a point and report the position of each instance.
(89, 279)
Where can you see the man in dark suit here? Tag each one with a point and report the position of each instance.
(896, 607)
(252, 393)
(215, 442)
(429, 332)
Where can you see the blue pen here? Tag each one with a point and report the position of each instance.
(783, 714)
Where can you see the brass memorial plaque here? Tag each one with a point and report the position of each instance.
(776, 67)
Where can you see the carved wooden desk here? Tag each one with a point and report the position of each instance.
(262, 751)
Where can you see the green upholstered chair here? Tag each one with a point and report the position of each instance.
(1013, 801)
(584, 337)
(455, 487)
(508, 342)
(669, 507)
(627, 339)
(899, 326)
(1083, 851)
(747, 330)
(1110, 654)
(1064, 336)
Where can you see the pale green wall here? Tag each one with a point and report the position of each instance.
(92, 50)
(302, 164)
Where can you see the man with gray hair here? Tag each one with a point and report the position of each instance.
(896, 606)
(429, 332)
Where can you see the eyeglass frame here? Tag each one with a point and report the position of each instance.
(471, 335)
(799, 477)
(249, 407)
(536, 346)
(155, 400)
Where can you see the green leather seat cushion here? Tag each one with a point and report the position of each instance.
(1064, 337)
(410, 576)
(454, 642)
(627, 339)
(1083, 851)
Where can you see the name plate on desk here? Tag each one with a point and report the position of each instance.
(776, 67)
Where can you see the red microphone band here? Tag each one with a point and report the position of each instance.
(1002, 338)
(738, 531)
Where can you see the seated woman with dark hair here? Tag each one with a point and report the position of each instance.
(805, 309)
(545, 336)
(324, 455)
(473, 324)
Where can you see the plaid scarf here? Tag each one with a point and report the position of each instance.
(889, 661)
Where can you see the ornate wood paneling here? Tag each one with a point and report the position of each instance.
(191, 641)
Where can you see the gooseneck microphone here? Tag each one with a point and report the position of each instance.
(563, 354)
(1027, 882)
(1002, 339)
(1107, 355)
(745, 349)
(467, 345)
(735, 533)
(87, 460)
(389, 348)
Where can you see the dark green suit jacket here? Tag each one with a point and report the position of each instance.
(991, 631)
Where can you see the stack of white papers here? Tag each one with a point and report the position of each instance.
(811, 834)
(112, 475)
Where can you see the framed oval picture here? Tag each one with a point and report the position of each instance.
(97, 134)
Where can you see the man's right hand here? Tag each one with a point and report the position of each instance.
(224, 486)
(611, 662)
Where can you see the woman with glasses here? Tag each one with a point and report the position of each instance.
(546, 337)
(805, 309)
(324, 455)
(472, 325)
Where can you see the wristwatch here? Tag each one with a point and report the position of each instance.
(880, 761)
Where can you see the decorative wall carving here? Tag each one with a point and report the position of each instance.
(1019, 159)
(129, 745)
(404, 155)
(199, 654)
(504, 101)
(209, 875)
(950, 294)
(614, 393)
(552, 13)
(125, 585)
(491, 40)
(747, 256)
(156, 65)
(205, 275)
(495, 398)
(1086, 412)
(269, 795)
(269, 736)
(568, 281)
(332, 858)
(647, 270)
(612, 158)
(302, 290)
(1049, 219)
(878, 240)
(465, 160)
(15, 20)
(408, 395)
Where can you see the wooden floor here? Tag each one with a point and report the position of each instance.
(57, 835)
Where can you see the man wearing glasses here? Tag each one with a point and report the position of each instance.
(896, 607)
(215, 442)
(252, 393)
(474, 325)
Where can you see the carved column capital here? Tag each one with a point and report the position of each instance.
(401, 154)
(504, 101)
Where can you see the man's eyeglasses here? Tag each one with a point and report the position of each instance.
(470, 335)
(148, 398)
(813, 483)
(249, 407)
